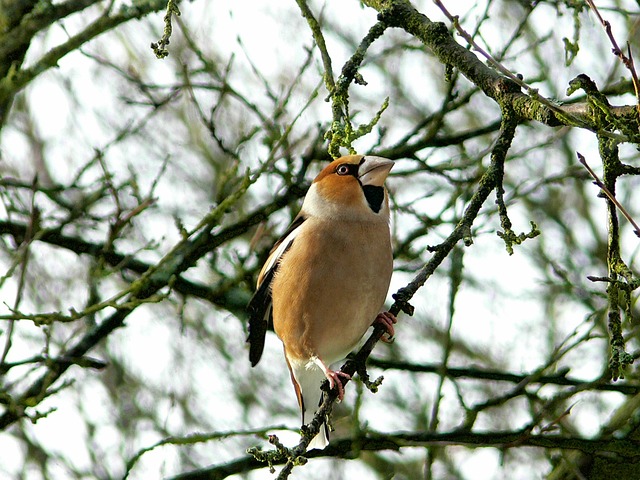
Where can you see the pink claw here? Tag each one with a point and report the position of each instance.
(335, 382)
(333, 377)
(387, 320)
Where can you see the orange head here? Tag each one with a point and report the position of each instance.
(350, 187)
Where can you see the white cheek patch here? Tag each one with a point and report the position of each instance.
(313, 205)
(321, 208)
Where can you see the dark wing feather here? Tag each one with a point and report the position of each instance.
(259, 318)
(260, 305)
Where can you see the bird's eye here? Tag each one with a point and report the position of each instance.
(343, 170)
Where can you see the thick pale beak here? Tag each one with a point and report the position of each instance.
(374, 170)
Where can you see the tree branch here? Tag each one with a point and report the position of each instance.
(558, 378)
(182, 256)
(227, 300)
(503, 440)
(37, 20)
(17, 80)
(401, 14)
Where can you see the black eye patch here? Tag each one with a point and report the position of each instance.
(347, 169)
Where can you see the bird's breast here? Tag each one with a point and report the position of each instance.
(329, 287)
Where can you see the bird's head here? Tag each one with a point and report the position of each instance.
(351, 187)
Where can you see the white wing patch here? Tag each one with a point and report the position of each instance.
(274, 257)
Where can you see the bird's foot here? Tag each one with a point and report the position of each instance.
(333, 376)
(335, 381)
(387, 320)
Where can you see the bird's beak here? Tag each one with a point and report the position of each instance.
(374, 170)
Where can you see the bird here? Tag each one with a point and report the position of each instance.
(326, 279)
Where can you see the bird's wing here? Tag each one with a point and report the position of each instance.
(260, 305)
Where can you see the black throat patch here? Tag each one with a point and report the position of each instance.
(374, 196)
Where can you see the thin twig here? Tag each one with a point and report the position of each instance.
(559, 377)
(533, 92)
(627, 60)
(609, 195)
(24, 253)
(322, 46)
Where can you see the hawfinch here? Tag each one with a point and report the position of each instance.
(327, 278)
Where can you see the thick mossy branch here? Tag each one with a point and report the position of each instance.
(619, 358)
(528, 106)
(601, 115)
(17, 78)
(595, 99)
(600, 112)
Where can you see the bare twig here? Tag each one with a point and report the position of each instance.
(627, 60)
(533, 92)
(610, 196)
(24, 253)
(559, 377)
(16, 81)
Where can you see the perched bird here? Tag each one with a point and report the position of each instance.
(326, 279)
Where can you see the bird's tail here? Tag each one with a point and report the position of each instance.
(307, 379)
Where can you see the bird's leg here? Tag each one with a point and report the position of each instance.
(333, 376)
(334, 380)
(387, 320)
